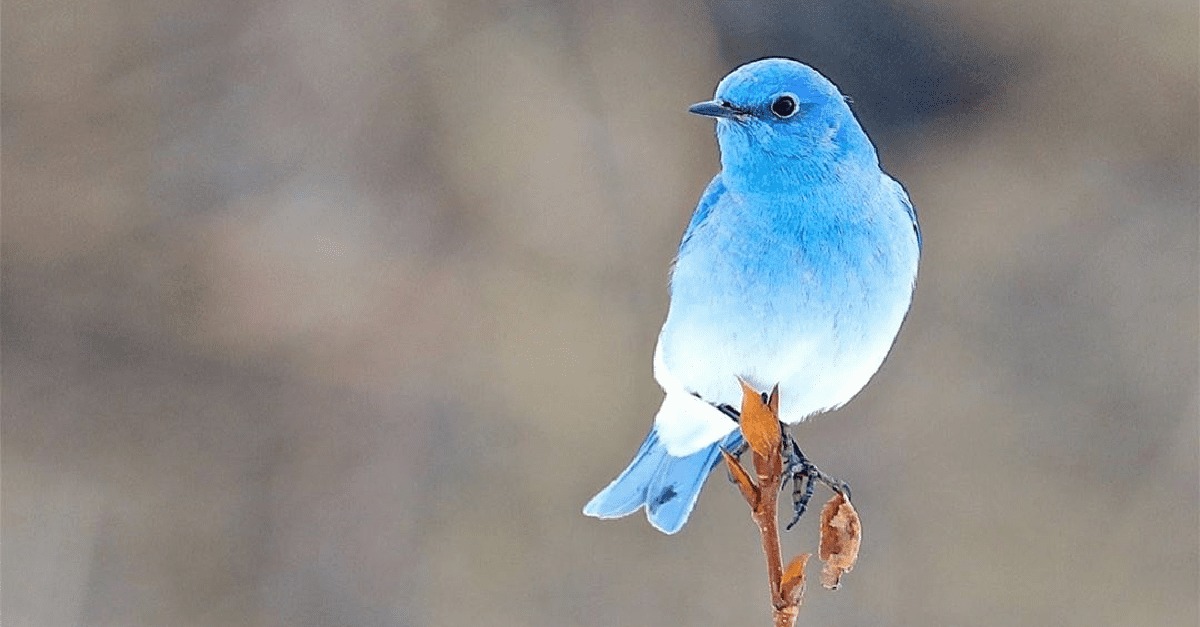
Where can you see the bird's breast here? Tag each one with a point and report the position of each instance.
(788, 291)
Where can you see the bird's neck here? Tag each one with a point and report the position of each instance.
(845, 160)
(801, 177)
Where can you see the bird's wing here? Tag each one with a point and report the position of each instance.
(712, 193)
(907, 204)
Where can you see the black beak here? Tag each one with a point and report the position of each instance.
(715, 109)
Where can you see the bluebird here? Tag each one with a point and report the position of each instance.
(797, 269)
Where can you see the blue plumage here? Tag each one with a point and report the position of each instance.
(796, 269)
(668, 486)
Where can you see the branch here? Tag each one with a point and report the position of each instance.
(840, 527)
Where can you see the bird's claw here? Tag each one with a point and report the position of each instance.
(805, 475)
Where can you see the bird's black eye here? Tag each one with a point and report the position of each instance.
(784, 106)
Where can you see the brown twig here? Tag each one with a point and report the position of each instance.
(840, 527)
(760, 426)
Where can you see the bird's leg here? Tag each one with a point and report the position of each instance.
(805, 475)
(731, 412)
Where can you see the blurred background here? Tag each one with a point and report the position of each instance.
(337, 313)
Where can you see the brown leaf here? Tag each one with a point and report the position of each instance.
(841, 534)
(792, 584)
(744, 483)
(760, 422)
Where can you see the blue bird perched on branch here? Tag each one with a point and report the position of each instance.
(796, 269)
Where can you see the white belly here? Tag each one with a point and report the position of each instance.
(819, 337)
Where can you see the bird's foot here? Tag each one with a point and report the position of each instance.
(805, 475)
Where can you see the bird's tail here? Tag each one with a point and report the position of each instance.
(668, 486)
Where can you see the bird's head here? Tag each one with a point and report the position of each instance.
(778, 120)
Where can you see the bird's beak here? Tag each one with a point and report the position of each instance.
(714, 109)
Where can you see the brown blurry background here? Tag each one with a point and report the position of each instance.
(337, 313)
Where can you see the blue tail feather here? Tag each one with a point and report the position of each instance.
(667, 486)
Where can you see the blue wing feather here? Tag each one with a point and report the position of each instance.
(908, 206)
(712, 193)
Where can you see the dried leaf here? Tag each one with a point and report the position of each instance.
(744, 483)
(760, 422)
(792, 583)
(841, 534)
